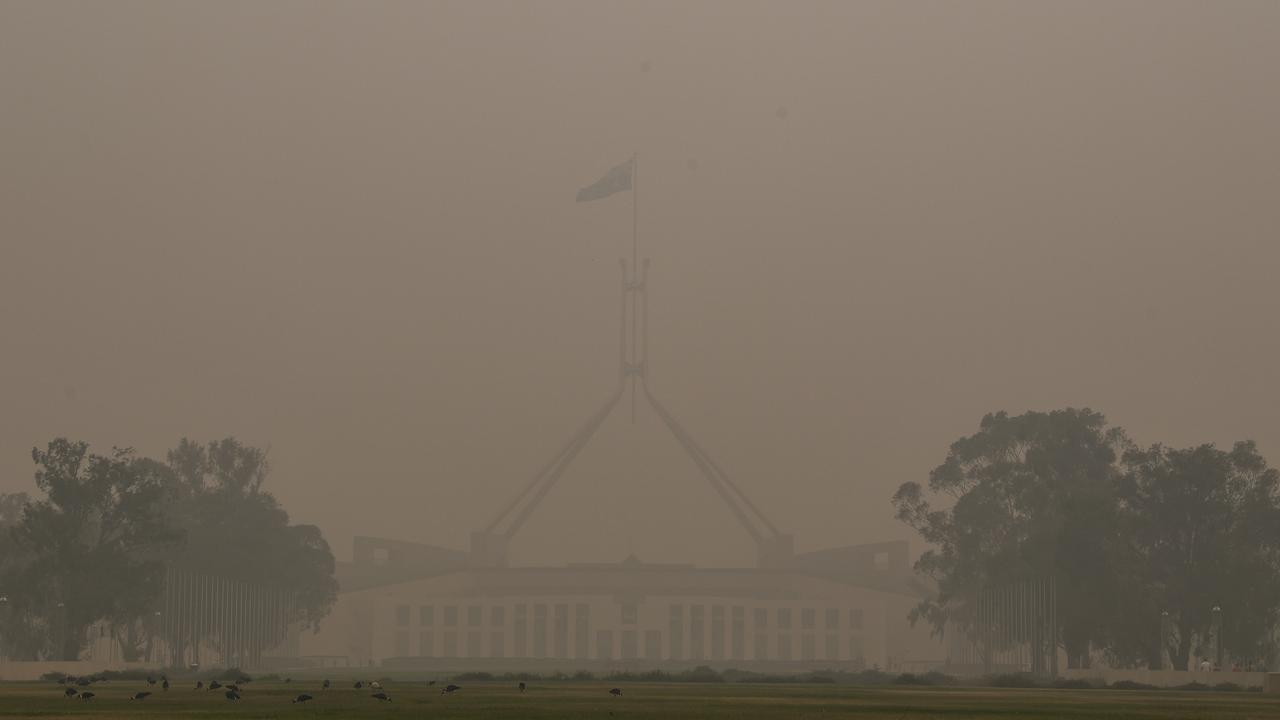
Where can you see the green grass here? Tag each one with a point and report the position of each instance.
(639, 700)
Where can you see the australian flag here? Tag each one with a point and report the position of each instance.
(616, 180)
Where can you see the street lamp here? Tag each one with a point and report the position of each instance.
(4, 627)
(1217, 637)
(62, 631)
(1164, 637)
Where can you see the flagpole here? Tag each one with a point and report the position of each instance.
(635, 210)
(635, 266)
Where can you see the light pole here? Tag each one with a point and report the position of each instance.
(1217, 637)
(4, 627)
(61, 635)
(154, 652)
(1164, 638)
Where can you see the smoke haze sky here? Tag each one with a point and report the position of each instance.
(346, 231)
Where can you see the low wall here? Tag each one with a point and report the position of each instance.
(1167, 678)
(18, 670)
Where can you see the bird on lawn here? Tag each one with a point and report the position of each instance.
(199, 684)
(288, 680)
(151, 680)
(359, 684)
(302, 698)
(375, 685)
(70, 692)
(165, 685)
(522, 687)
(382, 696)
(450, 689)
(615, 691)
(232, 695)
(214, 684)
(140, 696)
(326, 683)
(86, 695)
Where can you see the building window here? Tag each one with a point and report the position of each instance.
(855, 648)
(833, 647)
(652, 644)
(496, 645)
(807, 619)
(784, 618)
(581, 630)
(629, 645)
(475, 615)
(629, 613)
(695, 631)
(451, 644)
(762, 618)
(761, 647)
(833, 619)
(402, 615)
(521, 630)
(717, 632)
(738, 636)
(562, 630)
(451, 616)
(474, 648)
(497, 616)
(402, 644)
(675, 633)
(807, 650)
(855, 619)
(426, 644)
(604, 644)
(427, 615)
(784, 647)
(539, 630)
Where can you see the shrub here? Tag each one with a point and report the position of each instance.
(1130, 685)
(1012, 680)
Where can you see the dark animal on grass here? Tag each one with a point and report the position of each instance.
(165, 685)
(359, 684)
(214, 684)
(70, 692)
(86, 695)
(232, 695)
(326, 683)
(302, 698)
(382, 696)
(140, 696)
(450, 689)
(199, 684)
(615, 691)
(521, 687)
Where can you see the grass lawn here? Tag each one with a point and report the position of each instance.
(638, 700)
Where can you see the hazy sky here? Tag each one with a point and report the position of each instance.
(346, 231)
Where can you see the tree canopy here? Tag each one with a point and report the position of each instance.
(1127, 533)
(95, 545)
